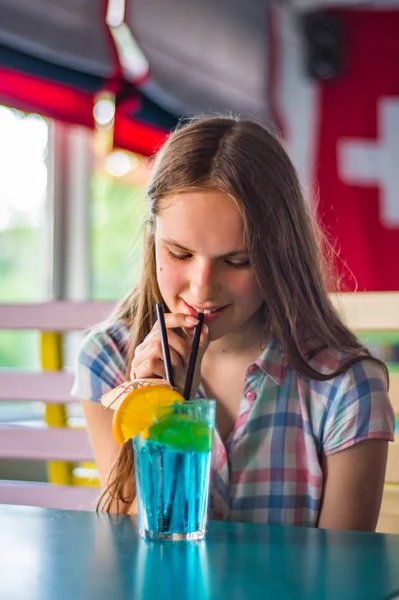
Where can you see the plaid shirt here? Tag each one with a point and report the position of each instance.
(268, 470)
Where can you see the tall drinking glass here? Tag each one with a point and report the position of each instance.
(172, 464)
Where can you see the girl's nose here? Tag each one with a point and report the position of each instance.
(203, 282)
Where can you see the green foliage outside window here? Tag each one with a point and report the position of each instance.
(117, 215)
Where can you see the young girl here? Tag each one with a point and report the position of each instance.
(303, 416)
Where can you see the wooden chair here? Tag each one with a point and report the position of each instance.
(375, 316)
(54, 440)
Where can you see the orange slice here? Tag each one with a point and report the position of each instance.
(114, 397)
(141, 408)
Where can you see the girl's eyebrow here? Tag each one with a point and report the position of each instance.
(170, 242)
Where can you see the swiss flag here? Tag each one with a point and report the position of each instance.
(344, 137)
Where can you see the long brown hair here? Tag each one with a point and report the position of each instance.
(287, 250)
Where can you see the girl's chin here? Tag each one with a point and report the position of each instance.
(216, 332)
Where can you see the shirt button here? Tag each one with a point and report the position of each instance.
(251, 396)
(253, 368)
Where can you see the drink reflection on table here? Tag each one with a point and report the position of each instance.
(171, 570)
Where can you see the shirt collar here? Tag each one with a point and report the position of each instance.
(272, 362)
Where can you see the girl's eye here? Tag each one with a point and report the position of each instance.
(178, 256)
(236, 265)
(239, 265)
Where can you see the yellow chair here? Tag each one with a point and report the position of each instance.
(56, 415)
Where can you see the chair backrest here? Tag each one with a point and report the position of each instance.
(21, 441)
(376, 316)
(364, 312)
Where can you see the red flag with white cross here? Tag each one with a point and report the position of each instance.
(343, 135)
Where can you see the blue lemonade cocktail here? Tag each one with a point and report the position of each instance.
(172, 464)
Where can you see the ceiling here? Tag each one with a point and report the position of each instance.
(191, 57)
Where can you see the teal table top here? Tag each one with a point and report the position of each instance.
(68, 555)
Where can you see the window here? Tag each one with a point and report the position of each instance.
(118, 206)
(23, 195)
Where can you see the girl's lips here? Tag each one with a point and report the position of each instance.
(208, 317)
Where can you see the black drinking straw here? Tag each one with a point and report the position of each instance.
(165, 345)
(193, 357)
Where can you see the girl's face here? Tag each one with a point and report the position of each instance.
(202, 261)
